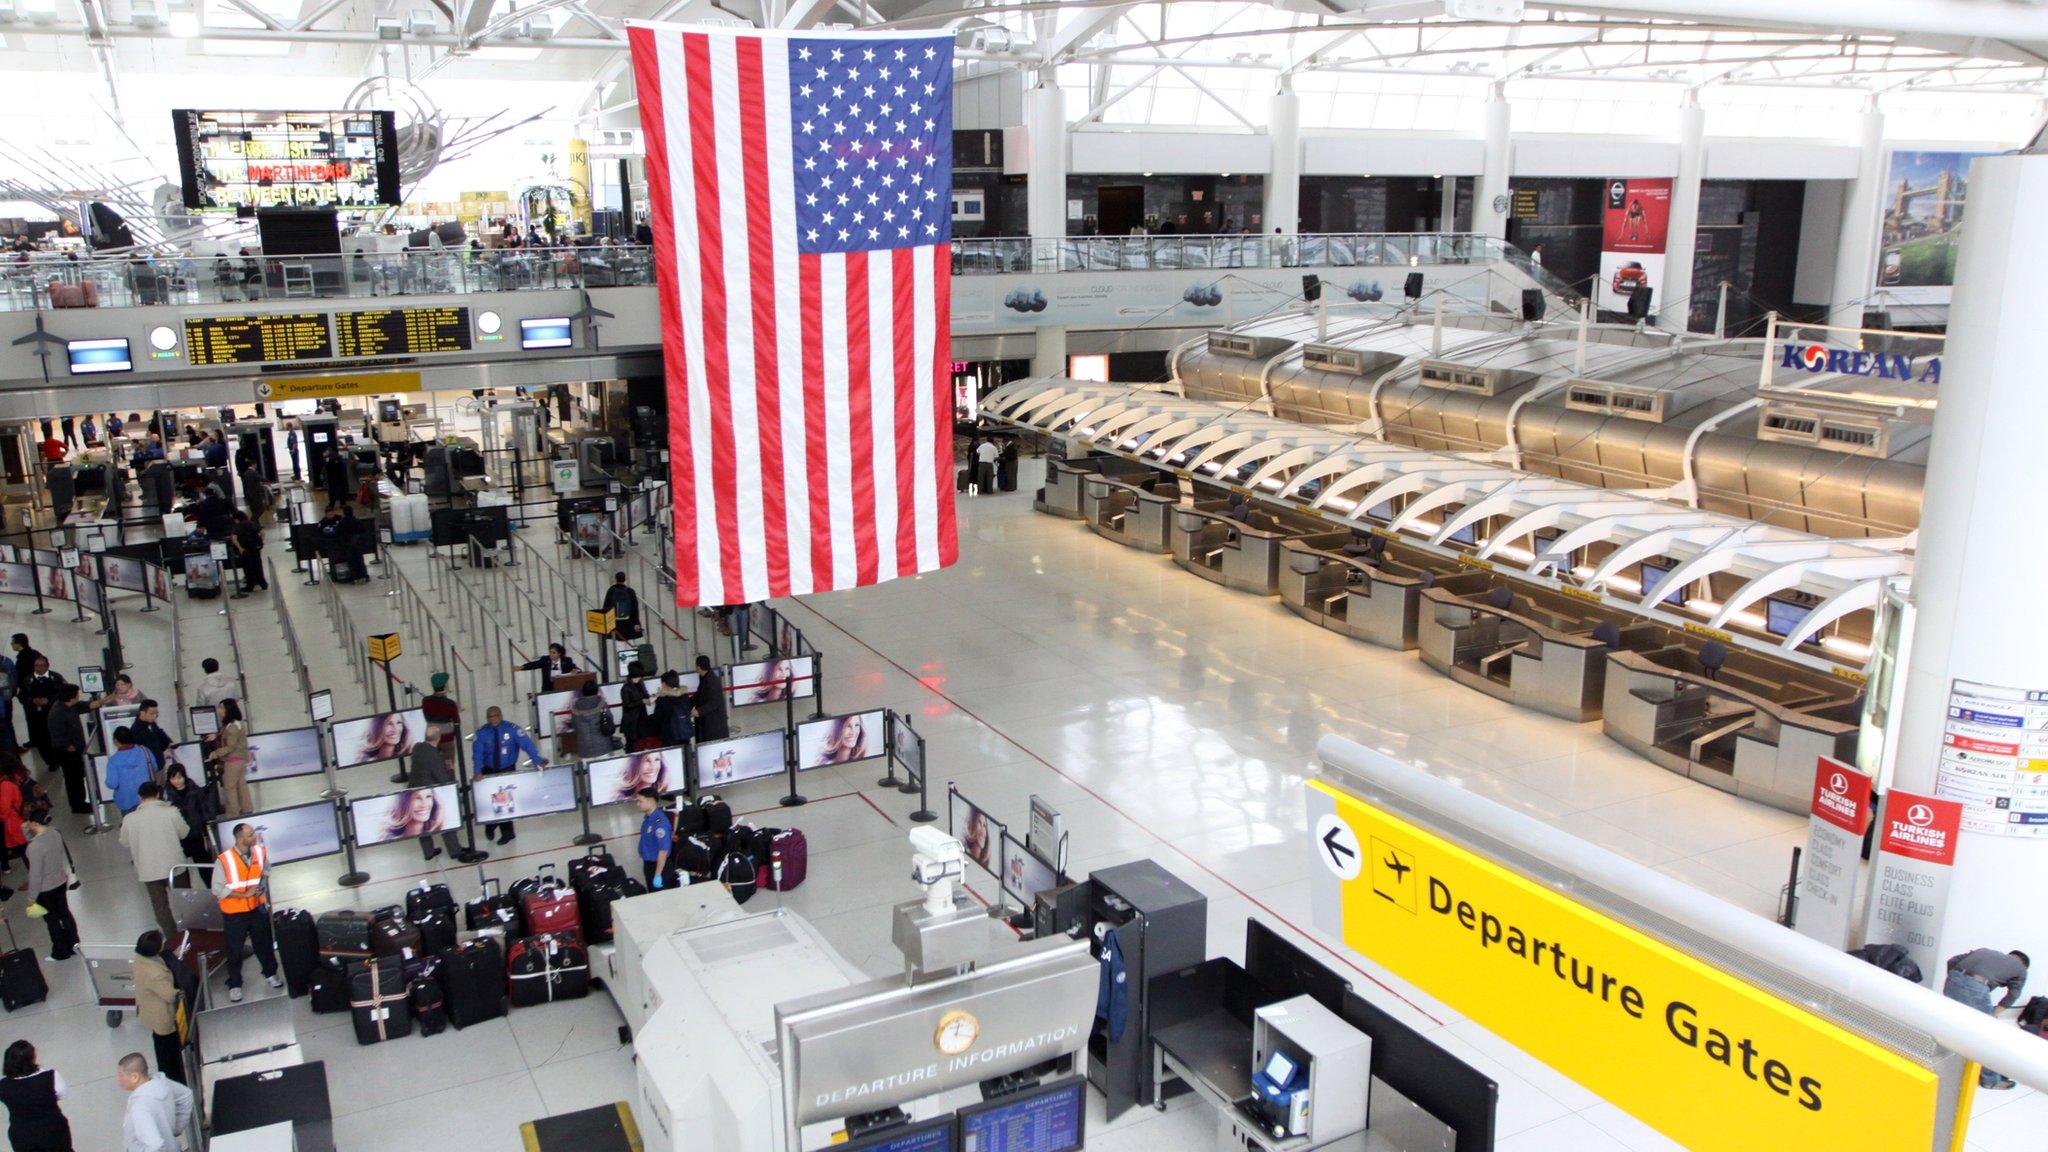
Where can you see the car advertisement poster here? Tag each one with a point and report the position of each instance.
(1633, 228)
(1922, 202)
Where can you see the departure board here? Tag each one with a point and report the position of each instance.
(257, 339)
(401, 331)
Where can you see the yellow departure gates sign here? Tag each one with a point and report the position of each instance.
(600, 622)
(336, 384)
(1711, 1061)
(384, 648)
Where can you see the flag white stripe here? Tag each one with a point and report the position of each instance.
(690, 294)
(838, 420)
(739, 384)
(789, 368)
(882, 405)
(923, 332)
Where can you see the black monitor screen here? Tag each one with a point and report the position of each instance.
(1047, 1119)
(926, 1136)
(1469, 534)
(1655, 572)
(1782, 616)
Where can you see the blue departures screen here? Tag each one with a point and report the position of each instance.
(1038, 1122)
(90, 356)
(929, 1136)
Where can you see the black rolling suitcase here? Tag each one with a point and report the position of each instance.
(390, 935)
(298, 948)
(427, 897)
(473, 982)
(328, 985)
(343, 933)
(377, 1001)
(437, 930)
(492, 908)
(597, 862)
(429, 1008)
(548, 968)
(21, 976)
(595, 900)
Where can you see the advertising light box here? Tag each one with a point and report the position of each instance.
(739, 759)
(517, 795)
(839, 739)
(300, 832)
(405, 815)
(618, 779)
(385, 736)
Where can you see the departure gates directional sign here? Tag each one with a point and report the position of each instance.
(1715, 1063)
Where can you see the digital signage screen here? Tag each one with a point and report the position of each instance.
(517, 795)
(91, 357)
(545, 332)
(385, 736)
(978, 832)
(839, 739)
(292, 752)
(1024, 875)
(739, 759)
(618, 779)
(405, 815)
(771, 681)
(401, 331)
(242, 161)
(300, 832)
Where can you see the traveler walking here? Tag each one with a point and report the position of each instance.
(128, 769)
(159, 1108)
(156, 1003)
(65, 733)
(185, 794)
(35, 1123)
(154, 834)
(217, 686)
(709, 702)
(245, 908)
(49, 875)
(428, 769)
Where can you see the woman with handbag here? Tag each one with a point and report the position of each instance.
(232, 754)
(157, 1004)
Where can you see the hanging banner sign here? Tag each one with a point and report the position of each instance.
(1632, 236)
(1713, 1061)
(1834, 852)
(1915, 857)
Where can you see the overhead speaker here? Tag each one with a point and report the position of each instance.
(1412, 287)
(1532, 304)
(1639, 302)
(1311, 288)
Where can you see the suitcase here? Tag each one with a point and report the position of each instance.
(594, 904)
(2034, 1016)
(437, 930)
(697, 856)
(548, 908)
(391, 935)
(717, 816)
(1890, 957)
(737, 873)
(690, 819)
(547, 968)
(346, 932)
(492, 908)
(21, 976)
(789, 857)
(596, 863)
(429, 1011)
(328, 985)
(473, 983)
(963, 479)
(298, 947)
(425, 897)
(377, 1001)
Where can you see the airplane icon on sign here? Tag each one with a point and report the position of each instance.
(1400, 870)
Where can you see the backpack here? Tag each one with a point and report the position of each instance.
(2034, 1016)
(1890, 957)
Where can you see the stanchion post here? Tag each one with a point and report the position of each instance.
(924, 813)
(36, 572)
(148, 600)
(888, 749)
(466, 799)
(818, 686)
(354, 877)
(794, 799)
(587, 838)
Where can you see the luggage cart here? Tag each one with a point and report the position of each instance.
(111, 969)
(202, 940)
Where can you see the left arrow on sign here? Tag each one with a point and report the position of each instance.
(1339, 846)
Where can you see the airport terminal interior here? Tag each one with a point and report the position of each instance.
(768, 576)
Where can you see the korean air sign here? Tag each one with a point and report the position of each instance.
(1818, 358)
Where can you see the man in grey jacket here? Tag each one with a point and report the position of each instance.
(48, 874)
(427, 769)
(154, 833)
(159, 1108)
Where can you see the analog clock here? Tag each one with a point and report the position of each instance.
(957, 1032)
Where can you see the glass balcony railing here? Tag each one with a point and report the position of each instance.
(47, 280)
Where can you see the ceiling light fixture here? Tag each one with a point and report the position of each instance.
(388, 29)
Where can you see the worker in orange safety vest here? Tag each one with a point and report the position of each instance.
(245, 908)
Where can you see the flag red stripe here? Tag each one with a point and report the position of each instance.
(761, 264)
(815, 456)
(661, 213)
(903, 279)
(942, 398)
(860, 416)
(711, 267)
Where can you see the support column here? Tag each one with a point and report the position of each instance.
(1447, 210)
(1980, 551)
(1045, 121)
(1488, 220)
(1674, 298)
(1049, 353)
(1283, 182)
(1856, 247)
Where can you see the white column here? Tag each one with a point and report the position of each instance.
(1045, 120)
(1493, 182)
(1856, 247)
(1049, 352)
(1283, 182)
(1447, 213)
(1673, 303)
(1981, 553)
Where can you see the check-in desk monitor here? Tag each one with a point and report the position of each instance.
(1049, 1118)
(935, 1135)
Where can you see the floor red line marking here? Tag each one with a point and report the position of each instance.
(1107, 803)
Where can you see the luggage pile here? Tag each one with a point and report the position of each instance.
(711, 846)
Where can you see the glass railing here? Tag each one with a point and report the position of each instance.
(69, 281)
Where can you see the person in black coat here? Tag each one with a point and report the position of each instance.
(624, 604)
(35, 1122)
(550, 666)
(339, 491)
(709, 702)
(39, 689)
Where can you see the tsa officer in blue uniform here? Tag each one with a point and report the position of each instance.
(496, 749)
(656, 838)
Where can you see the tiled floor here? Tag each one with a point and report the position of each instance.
(1166, 717)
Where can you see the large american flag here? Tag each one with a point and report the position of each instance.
(801, 194)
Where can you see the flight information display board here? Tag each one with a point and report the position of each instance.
(241, 161)
(257, 339)
(401, 331)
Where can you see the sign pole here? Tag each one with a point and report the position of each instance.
(794, 799)
(354, 877)
(587, 838)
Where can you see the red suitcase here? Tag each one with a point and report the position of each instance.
(789, 858)
(551, 909)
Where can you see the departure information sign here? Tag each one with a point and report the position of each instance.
(257, 339)
(401, 331)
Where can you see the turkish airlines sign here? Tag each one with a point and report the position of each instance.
(1916, 854)
(1921, 828)
(1833, 860)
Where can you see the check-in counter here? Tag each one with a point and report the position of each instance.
(1136, 512)
(1723, 734)
(1523, 653)
(1064, 482)
(1328, 579)
(1241, 554)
